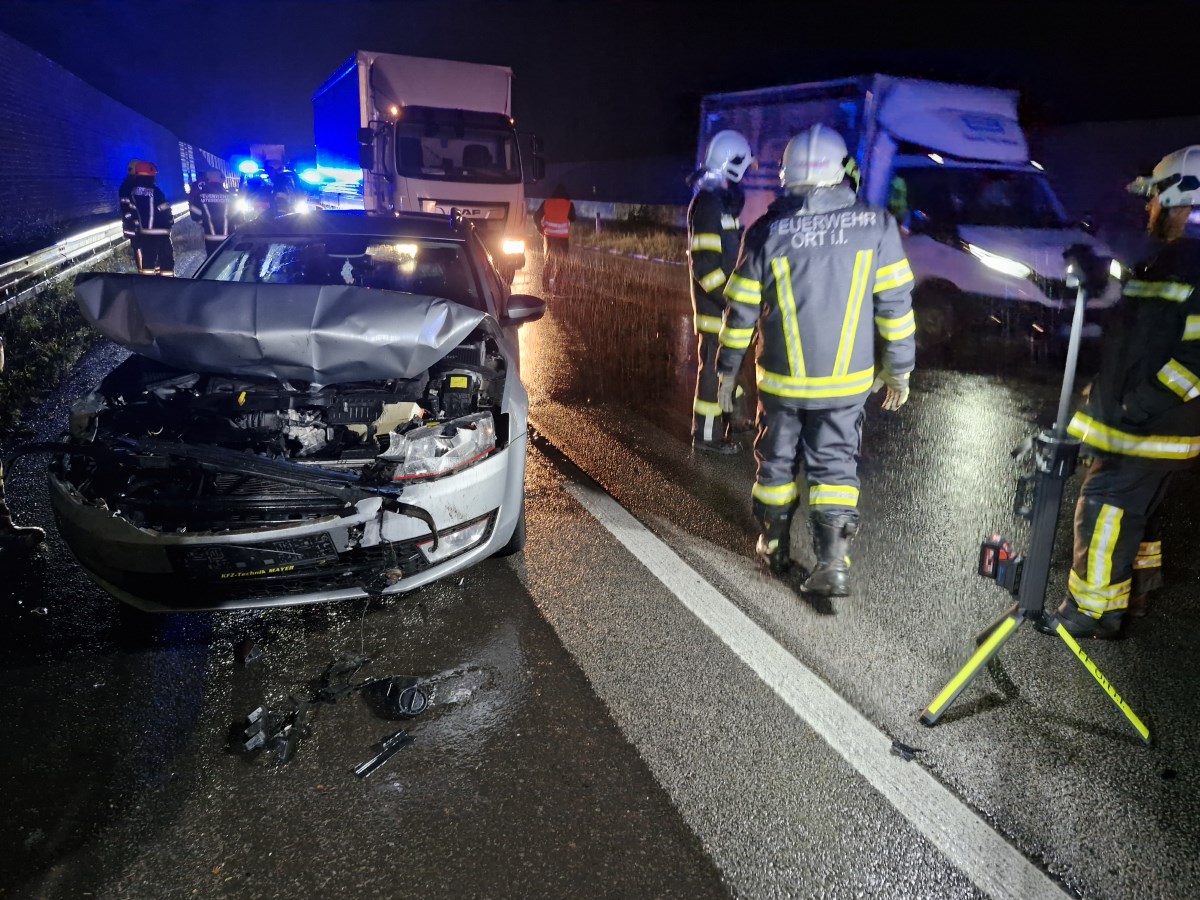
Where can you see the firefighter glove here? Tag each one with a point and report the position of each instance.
(897, 389)
(726, 386)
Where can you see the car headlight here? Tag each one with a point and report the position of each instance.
(242, 205)
(1116, 270)
(451, 543)
(1000, 263)
(302, 206)
(513, 246)
(437, 450)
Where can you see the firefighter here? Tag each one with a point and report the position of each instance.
(12, 535)
(553, 221)
(212, 206)
(806, 270)
(1141, 420)
(714, 236)
(128, 216)
(153, 221)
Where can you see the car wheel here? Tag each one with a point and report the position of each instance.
(517, 542)
(934, 307)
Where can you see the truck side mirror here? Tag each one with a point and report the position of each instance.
(366, 158)
(535, 143)
(366, 136)
(539, 169)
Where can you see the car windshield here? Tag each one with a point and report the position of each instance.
(432, 268)
(988, 197)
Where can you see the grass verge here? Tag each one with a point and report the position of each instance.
(653, 241)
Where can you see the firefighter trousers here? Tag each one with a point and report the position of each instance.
(708, 422)
(154, 254)
(827, 441)
(1117, 550)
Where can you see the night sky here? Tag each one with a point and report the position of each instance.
(600, 80)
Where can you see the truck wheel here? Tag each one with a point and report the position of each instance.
(517, 542)
(935, 309)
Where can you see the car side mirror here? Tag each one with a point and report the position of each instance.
(523, 308)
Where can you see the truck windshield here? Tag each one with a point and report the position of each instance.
(448, 145)
(994, 198)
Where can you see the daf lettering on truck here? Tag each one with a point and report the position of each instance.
(405, 133)
(982, 227)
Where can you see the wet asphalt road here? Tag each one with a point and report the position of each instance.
(588, 736)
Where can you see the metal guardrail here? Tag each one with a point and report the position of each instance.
(22, 278)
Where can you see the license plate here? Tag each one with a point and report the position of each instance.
(222, 562)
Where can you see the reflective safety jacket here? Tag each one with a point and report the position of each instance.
(804, 275)
(714, 236)
(151, 211)
(554, 217)
(212, 206)
(1145, 401)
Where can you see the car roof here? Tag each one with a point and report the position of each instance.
(352, 221)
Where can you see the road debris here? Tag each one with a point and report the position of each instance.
(905, 752)
(387, 749)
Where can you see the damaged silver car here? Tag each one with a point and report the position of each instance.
(332, 408)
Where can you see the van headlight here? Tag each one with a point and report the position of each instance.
(513, 246)
(437, 450)
(1000, 263)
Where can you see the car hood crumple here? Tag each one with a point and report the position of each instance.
(318, 334)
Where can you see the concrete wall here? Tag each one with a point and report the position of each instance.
(65, 146)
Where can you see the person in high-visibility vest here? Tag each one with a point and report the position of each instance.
(553, 221)
(1141, 421)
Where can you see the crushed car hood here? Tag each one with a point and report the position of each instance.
(317, 334)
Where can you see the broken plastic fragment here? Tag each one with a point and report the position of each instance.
(387, 749)
(905, 752)
(247, 652)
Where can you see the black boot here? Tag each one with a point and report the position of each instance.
(1080, 625)
(832, 533)
(774, 542)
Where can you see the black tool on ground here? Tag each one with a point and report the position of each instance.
(387, 749)
(1039, 500)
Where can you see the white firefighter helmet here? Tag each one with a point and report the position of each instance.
(728, 155)
(1175, 181)
(815, 157)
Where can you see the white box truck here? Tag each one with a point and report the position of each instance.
(981, 225)
(405, 133)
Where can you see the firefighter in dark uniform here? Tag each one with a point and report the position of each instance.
(128, 215)
(813, 273)
(714, 236)
(1141, 422)
(212, 206)
(13, 536)
(153, 221)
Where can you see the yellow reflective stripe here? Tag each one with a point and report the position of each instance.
(787, 307)
(704, 408)
(1174, 291)
(1149, 561)
(817, 386)
(1097, 601)
(892, 276)
(858, 289)
(775, 494)
(1180, 379)
(706, 241)
(713, 280)
(896, 329)
(1191, 331)
(1104, 540)
(832, 495)
(1112, 440)
(708, 324)
(737, 338)
(744, 290)
(1149, 547)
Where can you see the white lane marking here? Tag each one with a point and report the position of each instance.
(969, 843)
